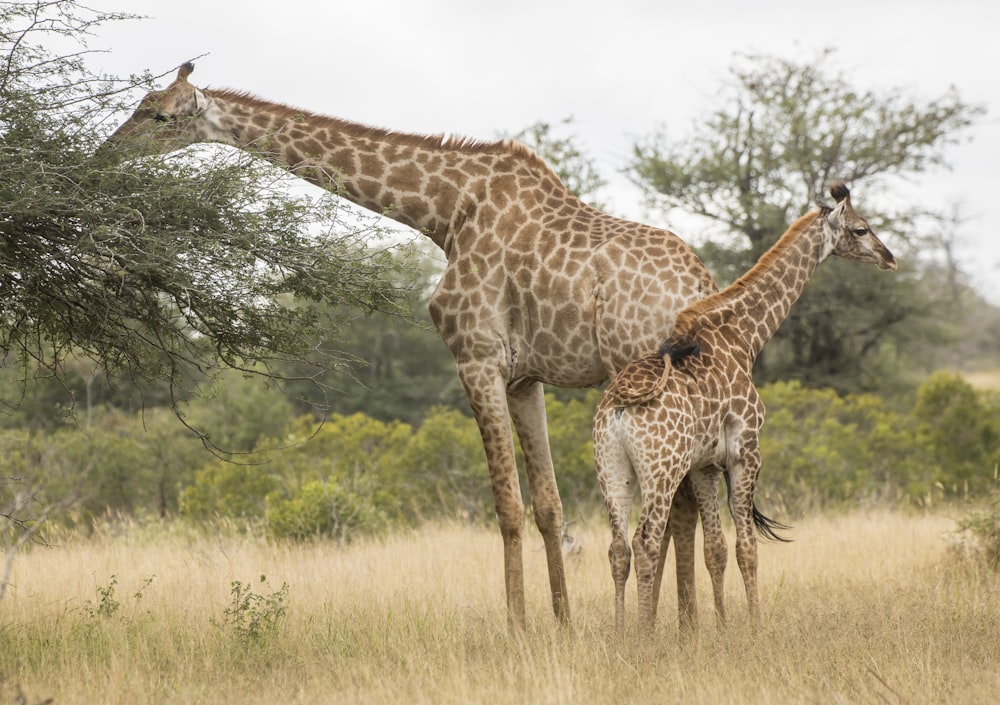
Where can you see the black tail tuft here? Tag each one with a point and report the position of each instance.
(679, 346)
(768, 528)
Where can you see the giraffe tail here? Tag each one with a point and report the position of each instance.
(767, 527)
(678, 346)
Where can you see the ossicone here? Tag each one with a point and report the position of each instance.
(184, 71)
(838, 189)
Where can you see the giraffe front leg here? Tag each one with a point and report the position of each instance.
(488, 399)
(527, 407)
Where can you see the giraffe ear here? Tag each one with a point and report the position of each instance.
(836, 216)
(200, 103)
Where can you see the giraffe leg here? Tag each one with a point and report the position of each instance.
(659, 481)
(658, 577)
(617, 478)
(489, 407)
(621, 559)
(681, 526)
(744, 477)
(527, 407)
(646, 548)
(705, 486)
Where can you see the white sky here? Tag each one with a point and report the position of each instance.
(621, 70)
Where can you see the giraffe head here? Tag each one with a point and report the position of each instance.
(168, 119)
(852, 236)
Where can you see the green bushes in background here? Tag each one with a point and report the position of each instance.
(353, 475)
(820, 449)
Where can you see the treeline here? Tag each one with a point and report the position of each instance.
(127, 288)
(351, 475)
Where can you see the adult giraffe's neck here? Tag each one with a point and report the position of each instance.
(416, 180)
(757, 303)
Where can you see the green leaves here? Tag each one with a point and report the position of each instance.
(164, 267)
(820, 449)
(783, 132)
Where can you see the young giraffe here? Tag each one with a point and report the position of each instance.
(538, 286)
(693, 405)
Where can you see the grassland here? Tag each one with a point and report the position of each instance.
(986, 378)
(863, 608)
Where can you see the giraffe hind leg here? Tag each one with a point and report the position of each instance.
(705, 485)
(617, 479)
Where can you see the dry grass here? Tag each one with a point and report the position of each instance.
(866, 608)
(988, 379)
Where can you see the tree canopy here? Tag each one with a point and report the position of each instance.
(156, 267)
(782, 132)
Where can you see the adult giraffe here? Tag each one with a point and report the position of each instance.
(538, 287)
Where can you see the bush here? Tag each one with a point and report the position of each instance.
(960, 428)
(229, 490)
(324, 510)
(818, 448)
(443, 470)
(572, 441)
(821, 449)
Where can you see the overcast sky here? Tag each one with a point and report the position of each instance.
(621, 70)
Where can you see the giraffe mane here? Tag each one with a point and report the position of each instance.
(687, 319)
(440, 141)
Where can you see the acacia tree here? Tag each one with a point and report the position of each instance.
(163, 269)
(783, 132)
(156, 268)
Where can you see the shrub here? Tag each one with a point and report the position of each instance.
(230, 490)
(819, 448)
(252, 617)
(960, 428)
(324, 510)
(571, 438)
(443, 470)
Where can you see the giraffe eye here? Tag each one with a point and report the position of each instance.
(160, 117)
(860, 232)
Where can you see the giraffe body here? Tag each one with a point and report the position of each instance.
(538, 286)
(691, 409)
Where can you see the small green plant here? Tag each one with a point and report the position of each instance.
(107, 605)
(254, 617)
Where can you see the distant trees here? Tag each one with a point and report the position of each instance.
(782, 132)
(354, 475)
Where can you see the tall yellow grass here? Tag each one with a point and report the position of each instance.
(863, 608)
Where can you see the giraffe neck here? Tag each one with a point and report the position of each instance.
(417, 180)
(757, 303)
